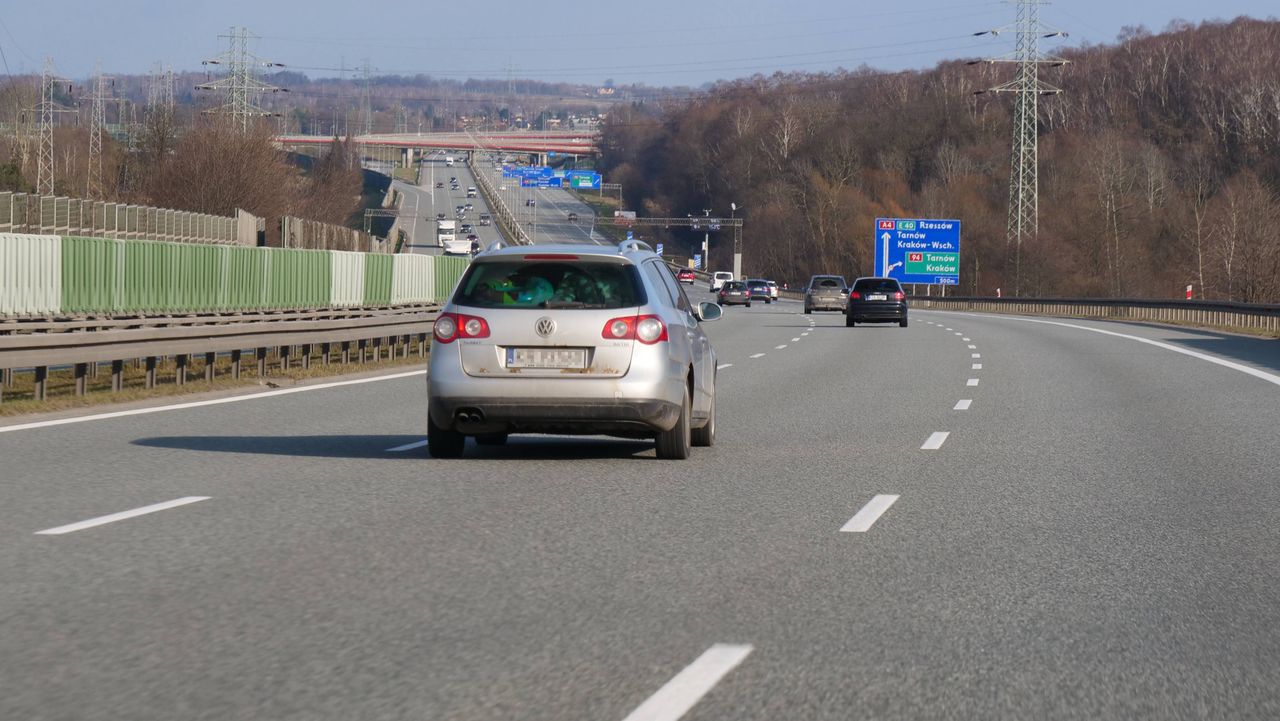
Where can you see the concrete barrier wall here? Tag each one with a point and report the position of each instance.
(30, 274)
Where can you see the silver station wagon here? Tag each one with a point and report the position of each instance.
(571, 339)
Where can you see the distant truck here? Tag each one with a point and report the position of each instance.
(448, 160)
(447, 237)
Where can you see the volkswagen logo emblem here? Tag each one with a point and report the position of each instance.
(545, 327)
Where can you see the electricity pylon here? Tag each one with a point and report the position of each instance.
(1024, 182)
(241, 87)
(94, 189)
(47, 109)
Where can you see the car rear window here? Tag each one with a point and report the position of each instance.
(552, 284)
(876, 285)
(828, 283)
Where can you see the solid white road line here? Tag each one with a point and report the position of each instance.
(722, 366)
(758, 355)
(863, 520)
(407, 446)
(688, 687)
(1256, 373)
(935, 441)
(103, 520)
(972, 382)
(963, 405)
(779, 347)
(977, 366)
(197, 404)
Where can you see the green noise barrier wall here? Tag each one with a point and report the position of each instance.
(50, 275)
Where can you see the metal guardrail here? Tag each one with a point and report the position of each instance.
(1252, 317)
(146, 342)
(505, 218)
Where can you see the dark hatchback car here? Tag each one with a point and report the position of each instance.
(734, 292)
(876, 300)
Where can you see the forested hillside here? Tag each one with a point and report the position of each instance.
(1159, 166)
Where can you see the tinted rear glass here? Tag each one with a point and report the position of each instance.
(828, 282)
(877, 285)
(734, 285)
(551, 284)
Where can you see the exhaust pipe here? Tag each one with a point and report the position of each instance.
(468, 415)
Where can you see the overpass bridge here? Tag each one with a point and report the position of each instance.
(410, 145)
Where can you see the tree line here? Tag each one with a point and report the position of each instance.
(1159, 166)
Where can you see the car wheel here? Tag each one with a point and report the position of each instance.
(491, 439)
(443, 443)
(673, 445)
(706, 435)
(748, 304)
(848, 321)
(808, 311)
(903, 323)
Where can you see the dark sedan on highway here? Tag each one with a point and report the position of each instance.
(760, 290)
(876, 300)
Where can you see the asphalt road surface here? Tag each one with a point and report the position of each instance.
(423, 201)
(1041, 520)
(547, 220)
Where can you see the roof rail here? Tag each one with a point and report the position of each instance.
(633, 244)
(495, 245)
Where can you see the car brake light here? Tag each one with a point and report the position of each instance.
(855, 295)
(452, 326)
(647, 329)
(550, 256)
(899, 295)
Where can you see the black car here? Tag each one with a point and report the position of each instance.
(876, 300)
(760, 290)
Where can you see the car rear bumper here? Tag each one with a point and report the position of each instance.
(877, 311)
(824, 303)
(571, 416)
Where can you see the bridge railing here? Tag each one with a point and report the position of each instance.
(503, 215)
(1251, 317)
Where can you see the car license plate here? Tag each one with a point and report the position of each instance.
(877, 296)
(547, 358)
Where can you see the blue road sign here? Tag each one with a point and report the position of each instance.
(697, 261)
(918, 250)
(658, 249)
(630, 235)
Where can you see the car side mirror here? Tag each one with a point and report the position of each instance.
(709, 311)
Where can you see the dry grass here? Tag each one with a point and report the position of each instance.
(18, 394)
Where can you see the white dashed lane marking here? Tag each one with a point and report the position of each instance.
(722, 366)
(407, 447)
(935, 441)
(758, 355)
(864, 519)
(103, 520)
(795, 340)
(976, 355)
(972, 382)
(686, 688)
(779, 347)
(977, 366)
(973, 347)
(963, 405)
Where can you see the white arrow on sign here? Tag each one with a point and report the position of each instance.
(885, 238)
(891, 267)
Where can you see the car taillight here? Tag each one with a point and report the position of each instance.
(647, 329)
(855, 295)
(452, 326)
(899, 295)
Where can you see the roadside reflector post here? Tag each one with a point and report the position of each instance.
(82, 371)
(180, 369)
(117, 376)
(151, 372)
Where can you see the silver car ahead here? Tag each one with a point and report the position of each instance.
(571, 339)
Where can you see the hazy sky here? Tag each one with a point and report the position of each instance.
(660, 42)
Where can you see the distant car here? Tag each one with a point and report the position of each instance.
(439, 216)
(439, 184)
(469, 206)
(573, 217)
(719, 278)
(773, 289)
(471, 192)
(687, 276)
(473, 237)
(466, 228)
(485, 219)
(825, 292)
(734, 292)
(760, 290)
(530, 202)
(876, 300)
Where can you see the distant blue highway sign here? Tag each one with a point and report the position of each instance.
(918, 250)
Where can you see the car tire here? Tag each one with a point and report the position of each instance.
(491, 439)
(903, 323)
(706, 435)
(808, 311)
(443, 443)
(673, 445)
(748, 304)
(848, 321)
